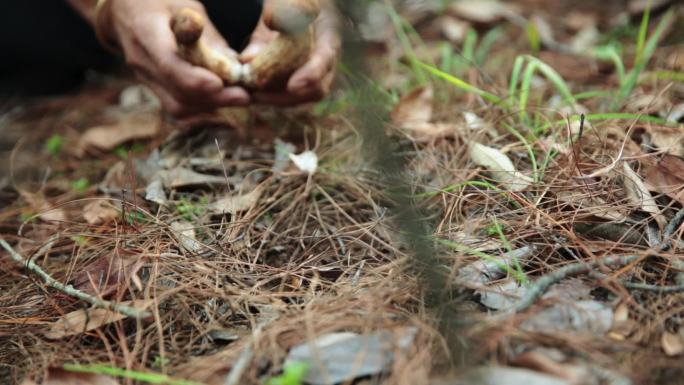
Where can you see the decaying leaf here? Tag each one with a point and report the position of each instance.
(638, 194)
(182, 177)
(341, 357)
(667, 139)
(499, 167)
(585, 316)
(672, 343)
(233, 204)
(503, 295)
(479, 11)
(593, 205)
(500, 375)
(154, 192)
(414, 108)
(453, 29)
(140, 125)
(45, 211)
(99, 212)
(57, 376)
(184, 232)
(484, 271)
(550, 361)
(84, 320)
(106, 274)
(306, 162)
(666, 176)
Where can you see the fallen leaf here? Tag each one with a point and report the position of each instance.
(592, 205)
(138, 97)
(672, 343)
(154, 192)
(234, 204)
(84, 320)
(648, 104)
(57, 376)
(479, 11)
(667, 139)
(306, 162)
(639, 195)
(636, 7)
(453, 29)
(676, 115)
(99, 212)
(499, 167)
(40, 205)
(184, 232)
(140, 125)
(341, 357)
(414, 108)
(666, 176)
(105, 275)
(502, 296)
(183, 177)
(586, 316)
(484, 271)
(500, 375)
(549, 361)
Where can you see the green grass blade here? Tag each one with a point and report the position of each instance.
(150, 378)
(461, 84)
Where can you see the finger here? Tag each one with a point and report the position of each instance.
(261, 36)
(321, 63)
(179, 76)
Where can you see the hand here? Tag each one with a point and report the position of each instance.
(313, 80)
(142, 30)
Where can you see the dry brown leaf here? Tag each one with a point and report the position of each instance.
(636, 7)
(45, 211)
(542, 360)
(184, 232)
(593, 205)
(453, 29)
(639, 195)
(105, 275)
(479, 11)
(499, 166)
(672, 343)
(667, 139)
(648, 104)
(666, 176)
(675, 61)
(99, 212)
(141, 125)
(414, 108)
(81, 321)
(62, 377)
(234, 204)
(183, 177)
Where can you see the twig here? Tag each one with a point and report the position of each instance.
(70, 290)
(539, 287)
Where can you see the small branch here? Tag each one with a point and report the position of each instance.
(538, 288)
(70, 290)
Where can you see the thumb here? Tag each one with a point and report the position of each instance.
(253, 49)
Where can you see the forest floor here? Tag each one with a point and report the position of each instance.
(499, 202)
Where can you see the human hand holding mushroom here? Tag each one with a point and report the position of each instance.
(175, 49)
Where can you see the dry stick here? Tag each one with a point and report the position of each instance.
(70, 290)
(539, 287)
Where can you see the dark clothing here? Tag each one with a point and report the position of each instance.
(46, 47)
